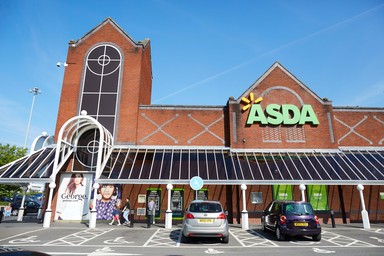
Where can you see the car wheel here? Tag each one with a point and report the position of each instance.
(15, 212)
(225, 239)
(279, 236)
(316, 237)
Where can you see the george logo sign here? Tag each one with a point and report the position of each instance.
(275, 114)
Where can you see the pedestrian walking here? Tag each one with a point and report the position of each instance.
(126, 211)
(8, 210)
(116, 215)
(151, 209)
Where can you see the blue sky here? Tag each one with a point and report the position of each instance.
(203, 51)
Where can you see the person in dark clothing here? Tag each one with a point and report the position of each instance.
(126, 211)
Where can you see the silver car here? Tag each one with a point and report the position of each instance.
(205, 219)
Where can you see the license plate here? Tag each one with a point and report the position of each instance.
(205, 220)
(300, 224)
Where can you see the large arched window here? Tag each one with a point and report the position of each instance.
(100, 93)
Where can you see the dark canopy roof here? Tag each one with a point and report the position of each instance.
(224, 166)
(139, 165)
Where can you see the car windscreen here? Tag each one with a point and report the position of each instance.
(205, 207)
(298, 209)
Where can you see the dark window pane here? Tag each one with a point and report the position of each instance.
(110, 83)
(95, 54)
(94, 67)
(92, 82)
(112, 53)
(107, 104)
(111, 68)
(90, 102)
(108, 122)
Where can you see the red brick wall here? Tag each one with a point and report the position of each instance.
(181, 126)
(359, 128)
(136, 76)
(255, 135)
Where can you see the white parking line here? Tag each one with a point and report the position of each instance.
(343, 241)
(30, 239)
(251, 238)
(79, 238)
(164, 238)
(22, 234)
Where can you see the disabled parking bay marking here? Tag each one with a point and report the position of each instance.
(164, 238)
(343, 241)
(213, 251)
(118, 240)
(27, 240)
(322, 251)
(378, 239)
(251, 238)
(79, 238)
(107, 251)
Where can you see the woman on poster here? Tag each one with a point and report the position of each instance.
(108, 197)
(71, 202)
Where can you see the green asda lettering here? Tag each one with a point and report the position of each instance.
(286, 114)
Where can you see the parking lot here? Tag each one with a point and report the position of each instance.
(78, 239)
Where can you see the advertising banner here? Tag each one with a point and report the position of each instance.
(108, 196)
(317, 196)
(73, 197)
(282, 192)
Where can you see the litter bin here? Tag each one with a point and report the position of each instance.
(333, 218)
(132, 218)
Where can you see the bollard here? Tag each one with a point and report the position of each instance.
(333, 219)
(132, 218)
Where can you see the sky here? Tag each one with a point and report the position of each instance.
(203, 51)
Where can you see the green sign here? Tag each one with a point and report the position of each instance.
(317, 196)
(177, 203)
(282, 192)
(286, 114)
(154, 193)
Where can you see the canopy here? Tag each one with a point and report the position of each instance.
(157, 165)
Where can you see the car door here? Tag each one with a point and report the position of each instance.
(274, 215)
(270, 217)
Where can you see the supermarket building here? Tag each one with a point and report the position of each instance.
(277, 140)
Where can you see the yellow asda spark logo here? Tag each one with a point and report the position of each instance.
(249, 101)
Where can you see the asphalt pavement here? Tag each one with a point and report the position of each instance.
(73, 238)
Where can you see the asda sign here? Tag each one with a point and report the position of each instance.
(287, 114)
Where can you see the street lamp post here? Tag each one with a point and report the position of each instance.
(35, 92)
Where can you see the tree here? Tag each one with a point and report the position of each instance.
(8, 154)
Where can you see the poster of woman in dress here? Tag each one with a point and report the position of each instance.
(108, 195)
(73, 197)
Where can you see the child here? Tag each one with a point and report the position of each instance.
(8, 210)
(116, 215)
